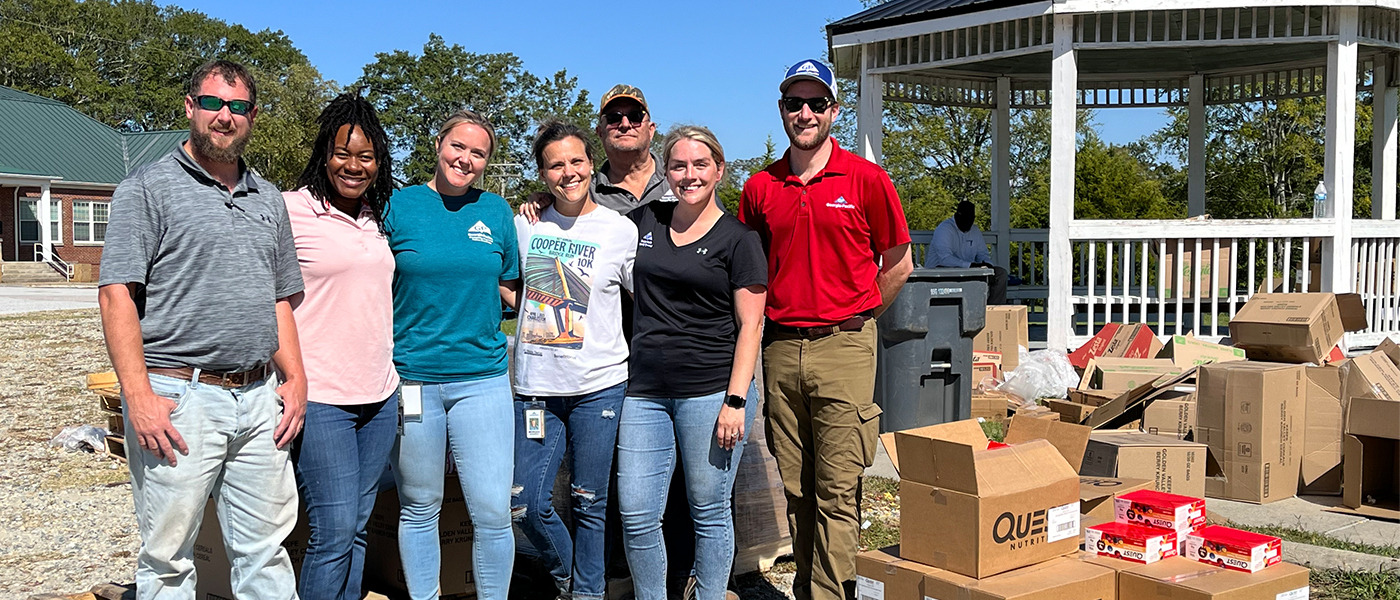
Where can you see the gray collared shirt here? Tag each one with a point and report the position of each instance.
(611, 196)
(211, 263)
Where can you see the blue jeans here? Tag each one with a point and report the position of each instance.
(652, 433)
(475, 416)
(233, 456)
(339, 458)
(589, 422)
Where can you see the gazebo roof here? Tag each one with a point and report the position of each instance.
(899, 12)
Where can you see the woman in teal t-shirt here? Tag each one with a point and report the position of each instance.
(456, 259)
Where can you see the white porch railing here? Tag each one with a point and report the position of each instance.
(51, 259)
(1210, 269)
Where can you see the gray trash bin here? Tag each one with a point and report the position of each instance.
(925, 356)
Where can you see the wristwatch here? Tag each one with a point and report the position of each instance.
(735, 401)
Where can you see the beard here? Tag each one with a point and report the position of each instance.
(205, 146)
(823, 132)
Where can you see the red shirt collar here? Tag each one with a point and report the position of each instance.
(837, 164)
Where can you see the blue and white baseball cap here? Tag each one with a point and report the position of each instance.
(811, 69)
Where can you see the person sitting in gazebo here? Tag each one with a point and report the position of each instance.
(958, 243)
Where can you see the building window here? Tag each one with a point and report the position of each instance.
(29, 221)
(90, 221)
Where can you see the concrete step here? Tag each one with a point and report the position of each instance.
(28, 272)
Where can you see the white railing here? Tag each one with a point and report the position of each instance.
(51, 259)
(1118, 268)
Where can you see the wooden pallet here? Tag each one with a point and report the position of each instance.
(115, 424)
(116, 447)
(110, 399)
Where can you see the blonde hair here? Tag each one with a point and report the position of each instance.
(691, 132)
(468, 116)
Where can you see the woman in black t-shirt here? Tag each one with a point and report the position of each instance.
(701, 282)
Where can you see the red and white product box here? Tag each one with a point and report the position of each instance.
(1136, 543)
(1182, 514)
(1234, 549)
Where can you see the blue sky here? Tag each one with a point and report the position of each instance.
(713, 63)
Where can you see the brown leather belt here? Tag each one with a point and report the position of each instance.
(227, 380)
(811, 333)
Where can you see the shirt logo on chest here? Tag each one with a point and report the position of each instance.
(480, 233)
(841, 203)
(702, 250)
(645, 242)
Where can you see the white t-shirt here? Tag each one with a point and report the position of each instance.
(568, 339)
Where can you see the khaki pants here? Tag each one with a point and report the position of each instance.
(822, 428)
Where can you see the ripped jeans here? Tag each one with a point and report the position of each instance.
(589, 424)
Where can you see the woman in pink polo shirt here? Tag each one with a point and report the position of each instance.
(345, 322)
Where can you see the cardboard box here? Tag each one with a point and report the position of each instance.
(1371, 445)
(1320, 469)
(1171, 414)
(988, 405)
(1295, 328)
(1096, 494)
(1182, 514)
(1067, 438)
(980, 512)
(1390, 349)
(1179, 578)
(984, 372)
(384, 567)
(1231, 548)
(1196, 282)
(1250, 415)
(1065, 578)
(883, 575)
(1136, 543)
(1118, 340)
(1125, 373)
(1128, 406)
(1187, 351)
(1175, 466)
(1070, 412)
(1092, 397)
(211, 558)
(1007, 330)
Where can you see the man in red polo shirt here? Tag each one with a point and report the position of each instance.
(838, 253)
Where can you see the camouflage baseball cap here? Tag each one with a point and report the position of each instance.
(623, 90)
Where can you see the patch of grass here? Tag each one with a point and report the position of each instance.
(1300, 536)
(879, 535)
(994, 430)
(1336, 584)
(83, 471)
(508, 327)
(880, 486)
(49, 315)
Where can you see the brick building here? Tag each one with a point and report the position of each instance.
(58, 168)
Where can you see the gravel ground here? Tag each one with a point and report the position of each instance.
(66, 520)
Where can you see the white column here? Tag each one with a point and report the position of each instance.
(1340, 152)
(45, 236)
(870, 110)
(1064, 99)
(1383, 141)
(1196, 147)
(1001, 172)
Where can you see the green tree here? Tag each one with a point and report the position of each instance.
(127, 64)
(415, 93)
(738, 171)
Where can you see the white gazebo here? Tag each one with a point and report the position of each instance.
(1063, 55)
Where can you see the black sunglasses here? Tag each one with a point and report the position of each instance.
(635, 116)
(215, 103)
(793, 104)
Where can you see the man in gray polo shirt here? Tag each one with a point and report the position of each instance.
(197, 272)
(632, 175)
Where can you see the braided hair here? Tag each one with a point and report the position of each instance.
(350, 109)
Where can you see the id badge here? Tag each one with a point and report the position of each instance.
(410, 404)
(534, 420)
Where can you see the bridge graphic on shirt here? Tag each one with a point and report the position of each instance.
(556, 294)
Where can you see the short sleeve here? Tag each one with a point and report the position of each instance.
(883, 212)
(288, 270)
(510, 249)
(750, 213)
(630, 258)
(749, 266)
(133, 234)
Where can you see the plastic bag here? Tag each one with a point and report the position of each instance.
(1041, 374)
(80, 437)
